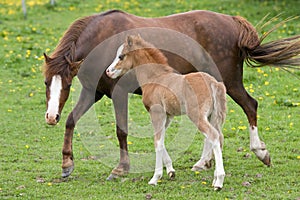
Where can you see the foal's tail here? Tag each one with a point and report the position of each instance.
(280, 53)
(218, 114)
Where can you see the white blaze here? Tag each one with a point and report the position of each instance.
(111, 71)
(53, 103)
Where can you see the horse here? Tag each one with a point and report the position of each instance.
(166, 93)
(229, 41)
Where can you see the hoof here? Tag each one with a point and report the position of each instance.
(112, 177)
(67, 171)
(217, 188)
(171, 175)
(267, 159)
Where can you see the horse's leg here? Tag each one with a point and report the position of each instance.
(158, 118)
(86, 100)
(213, 137)
(249, 105)
(206, 159)
(166, 158)
(120, 101)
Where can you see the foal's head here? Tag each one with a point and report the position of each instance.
(58, 72)
(134, 52)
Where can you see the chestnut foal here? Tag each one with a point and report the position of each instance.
(167, 94)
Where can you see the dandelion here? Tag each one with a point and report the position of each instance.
(203, 183)
(31, 94)
(197, 172)
(233, 128)
(298, 157)
(267, 82)
(49, 184)
(242, 127)
(9, 110)
(231, 111)
(129, 143)
(267, 128)
(27, 146)
(182, 187)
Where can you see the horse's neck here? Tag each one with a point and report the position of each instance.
(151, 72)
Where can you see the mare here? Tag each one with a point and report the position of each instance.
(229, 41)
(167, 93)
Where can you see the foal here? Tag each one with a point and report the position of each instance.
(167, 94)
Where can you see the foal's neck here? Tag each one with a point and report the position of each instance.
(150, 65)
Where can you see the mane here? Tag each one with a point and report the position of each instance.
(154, 53)
(58, 63)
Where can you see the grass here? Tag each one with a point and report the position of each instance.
(30, 151)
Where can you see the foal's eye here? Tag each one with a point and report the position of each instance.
(46, 83)
(121, 57)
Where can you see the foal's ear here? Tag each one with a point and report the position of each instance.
(47, 58)
(129, 40)
(75, 67)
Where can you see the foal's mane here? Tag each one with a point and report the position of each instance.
(58, 64)
(153, 52)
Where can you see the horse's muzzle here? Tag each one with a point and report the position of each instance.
(52, 119)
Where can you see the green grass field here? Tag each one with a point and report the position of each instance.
(30, 150)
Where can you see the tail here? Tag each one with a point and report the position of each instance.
(280, 53)
(218, 114)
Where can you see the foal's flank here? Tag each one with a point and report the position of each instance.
(167, 94)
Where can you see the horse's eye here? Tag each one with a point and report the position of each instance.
(121, 57)
(46, 83)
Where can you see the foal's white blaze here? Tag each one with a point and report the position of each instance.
(53, 103)
(111, 71)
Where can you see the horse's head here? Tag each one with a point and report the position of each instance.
(58, 72)
(124, 60)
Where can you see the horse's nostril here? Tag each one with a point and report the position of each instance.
(46, 115)
(57, 117)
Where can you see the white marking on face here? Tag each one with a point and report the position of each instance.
(53, 103)
(111, 71)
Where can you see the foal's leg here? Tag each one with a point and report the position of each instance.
(249, 105)
(166, 158)
(158, 118)
(213, 137)
(206, 159)
(86, 100)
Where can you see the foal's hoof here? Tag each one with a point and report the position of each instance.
(67, 171)
(217, 188)
(171, 175)
(112, 177)
(267, 159)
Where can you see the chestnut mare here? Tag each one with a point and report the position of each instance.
(229, 40)
(167, 94)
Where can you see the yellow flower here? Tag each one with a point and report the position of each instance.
(267, 82)
(298, 157)
(129, 143)
(27, 146)
(242, 127)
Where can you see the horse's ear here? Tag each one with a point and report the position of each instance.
(75, 67)
(47, 58)
(129, 40)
